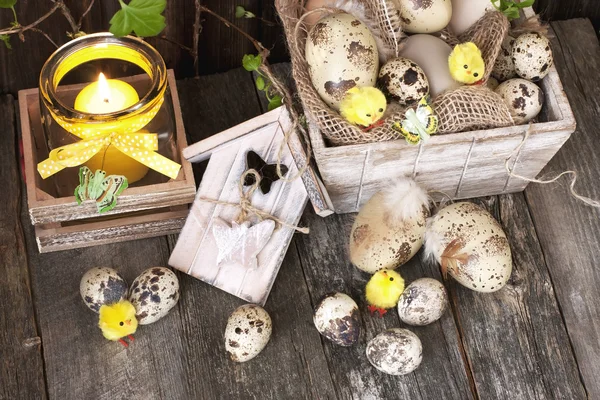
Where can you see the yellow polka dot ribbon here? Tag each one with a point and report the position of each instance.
(139, 146)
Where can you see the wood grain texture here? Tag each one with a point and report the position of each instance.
(442, 374)
(515, 339)
(566, 9)
(569, 231)
(22, 368)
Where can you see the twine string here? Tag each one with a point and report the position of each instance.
(245, 204)
(509, 171)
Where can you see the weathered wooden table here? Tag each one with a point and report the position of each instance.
(537, 338)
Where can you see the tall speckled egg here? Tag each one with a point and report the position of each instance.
(341, 53)
(102, 285)
(523, 98)
(247, 333)
(403, 80)
(532, 56)
(154, 293)
(470, 245)
(395, 351)
(424, 16)
(338, 319)
(504, 68)
(422, 302)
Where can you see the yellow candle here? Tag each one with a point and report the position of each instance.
(103, 97)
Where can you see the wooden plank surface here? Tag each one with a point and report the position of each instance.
(21, 365)
(569, 231)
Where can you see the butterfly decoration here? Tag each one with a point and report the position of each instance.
(241, 243)
(267, 172)
(97, 186)
(418, 125)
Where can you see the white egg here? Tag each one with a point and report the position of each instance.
(395, 351)
(470, 245)
(389, 228)
(338, 319)
(423, 302)
(153, 294)
(311, 5)
(532, 56)
(102, 285)
(523, 98)
(341, 53)
(504, 68)
(403, 80)
(424, 16)
(431, 54)
(465, 13)
(247, 333)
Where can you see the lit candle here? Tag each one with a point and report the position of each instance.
(103, 97)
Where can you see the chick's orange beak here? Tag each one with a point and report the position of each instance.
(468, 72)
(384, 273)
(128, 322)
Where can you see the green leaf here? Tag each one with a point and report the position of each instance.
(240, 12)
(249, 14)
(525, 3)
(6, 40)
(144, 17)
(274, 103)
(251, 62)
(511, 8)
(7, 3)
(260, 83)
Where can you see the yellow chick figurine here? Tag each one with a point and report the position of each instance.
(466, 64)
(363, 106)
(383, 290)
(118, 320)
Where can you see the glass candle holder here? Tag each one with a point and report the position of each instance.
(148, 107)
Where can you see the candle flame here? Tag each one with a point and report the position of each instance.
(103, 88)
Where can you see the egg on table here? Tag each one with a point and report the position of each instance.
(504, 68)
(395, 351)
(423, 302)
(338, 319)
(153, 294)
(470, 245)
(403, 80)
(431, 54)
(465, 13)
(341, 53)
(532, 56)
(523, 98)
(102, 285)
(247, 333)
(424, 16)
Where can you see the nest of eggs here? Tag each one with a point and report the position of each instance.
(465, 108)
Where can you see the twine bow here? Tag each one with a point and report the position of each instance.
(245, 204)
(139, 146)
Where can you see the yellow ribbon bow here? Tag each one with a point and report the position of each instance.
(139, 146)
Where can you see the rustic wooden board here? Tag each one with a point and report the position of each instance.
(515, 340)
(569, 231)
(22, 371)
(325, 261)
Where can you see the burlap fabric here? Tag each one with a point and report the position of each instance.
(469, 108)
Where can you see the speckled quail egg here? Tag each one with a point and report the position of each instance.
(341, 53)
(338, 319)
(395, 351)
(388, 230)
(102, 285)
(153, 294)
(424, 16)
(403, 80)
(247, 333)
(423, 302)
(532, 56)
(470, 245)
(504, 68)
(523, 98)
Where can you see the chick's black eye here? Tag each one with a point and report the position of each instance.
(121, 323)
(391, 279)
(466, 66)
(475, 74)
(368, 115)
(381, 110)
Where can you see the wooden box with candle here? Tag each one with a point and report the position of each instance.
(152, 206)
